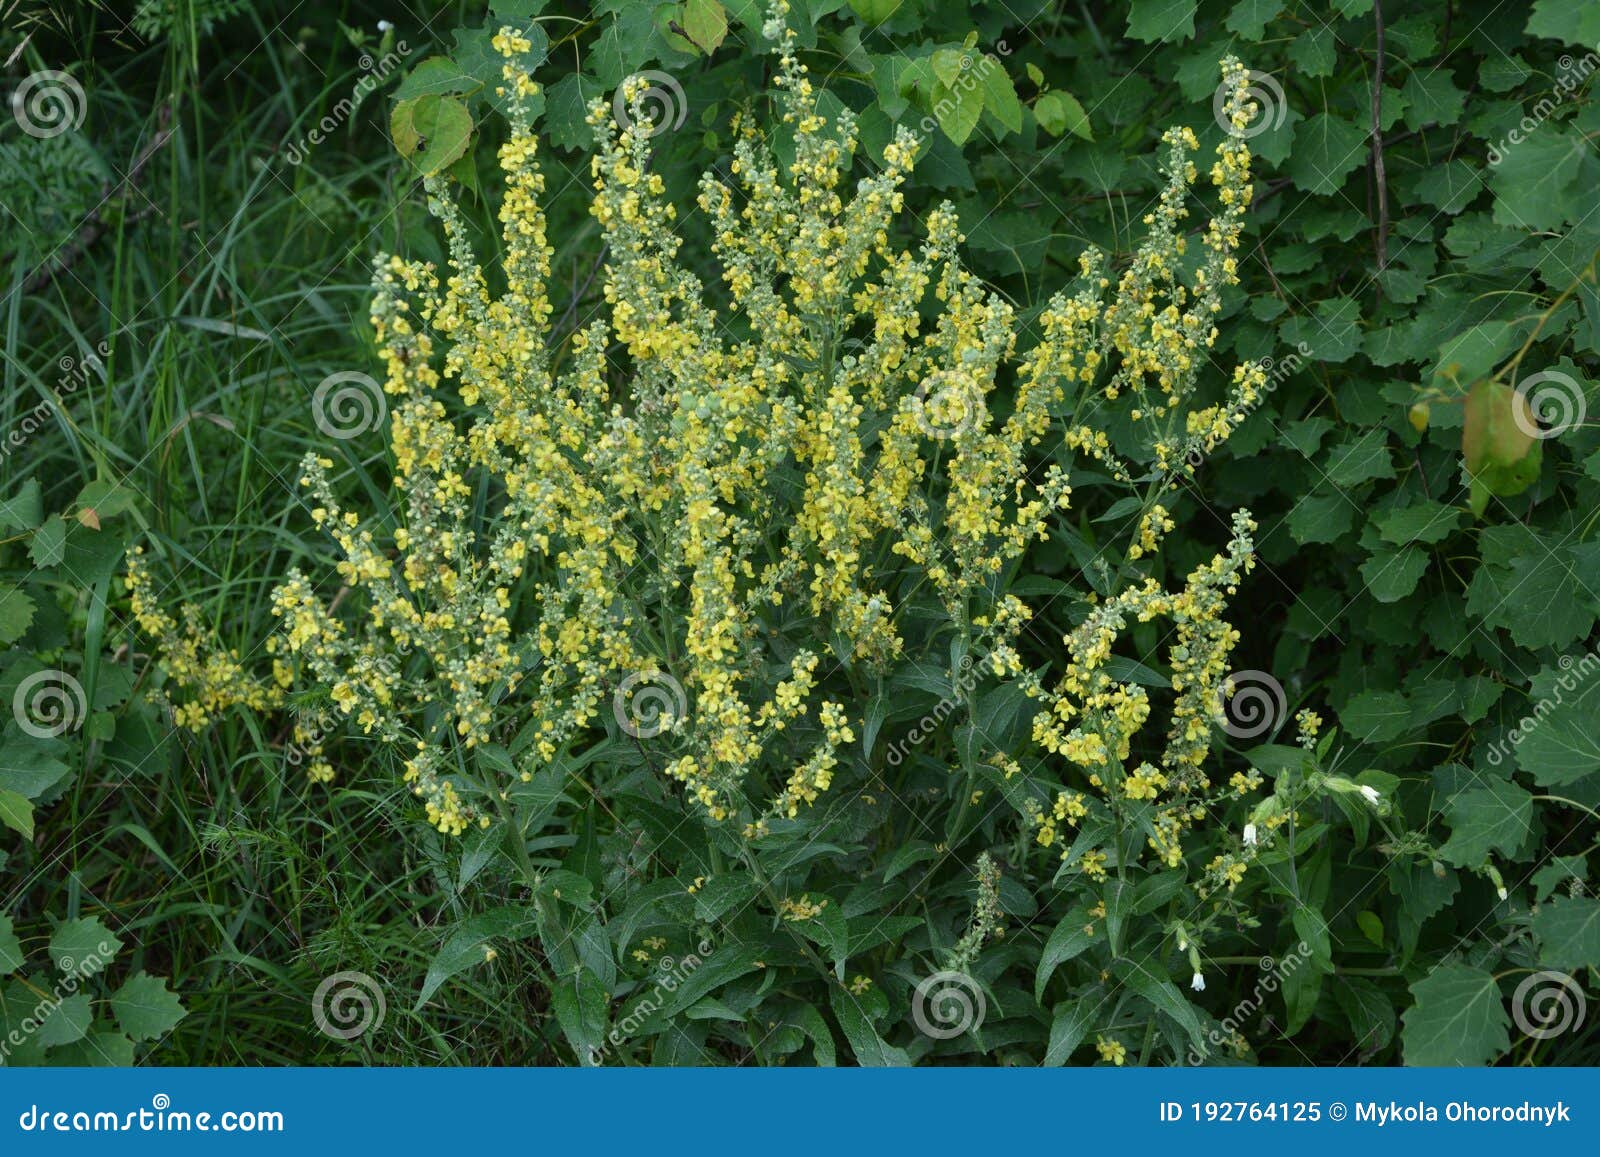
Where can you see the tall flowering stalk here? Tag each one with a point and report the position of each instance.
(762, 496)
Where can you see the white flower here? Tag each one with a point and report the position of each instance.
(1374, 796)
(1198, 983)
(1250, 835)
(1502, 891)
(1183, 942)
(384, 26)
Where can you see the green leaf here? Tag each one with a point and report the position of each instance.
(23, 510)
(1327, 148)
(1391, 575)
(1163, 995)
(1071, 1024)
(1494, 818)
(1458, 1018)
(581, 1003)
(1249, 17)
(10, 947)
(1361, 459)
(875, 12)
(431, 131)
(16, 813)
(1568, 929)
(83, 947)
(436, 76)
(16, 612)
(1423, 521)
(1432, 98)
(67, 1022)
(1000, 95)
(49, 543)
(1059, 112)
(145, 1008)
(1376, 716)
(1068, 940)
(1572, 21)
(1535, 183)
(706, 24)
(870, 1049)
(958, 109)
(1562, 745)
(1322, 517)
(1161, 21)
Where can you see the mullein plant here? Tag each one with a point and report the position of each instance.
(755, 501)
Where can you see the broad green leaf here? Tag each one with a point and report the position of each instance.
(1327, 148)
(1568, 929)
(67, 1022)
(1571, 21)
(16, 612)
(1059, 112)
(22, 510)
(870, 1049)
(1376, 716)
(1458, 1018)
(1071, 937)
(145, 1008)
(1155, 987)
(1161, 21)
(1494, 818)
(436, 76)
(581, 1004)
(1391, 575)
(1071, 1024)
(16, 813)
(83, 947)
(10, 947)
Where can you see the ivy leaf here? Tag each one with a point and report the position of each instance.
(145, 1008)
(1458, 1018)
(1568, 929)
(1493, 818)
(1161, 21)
